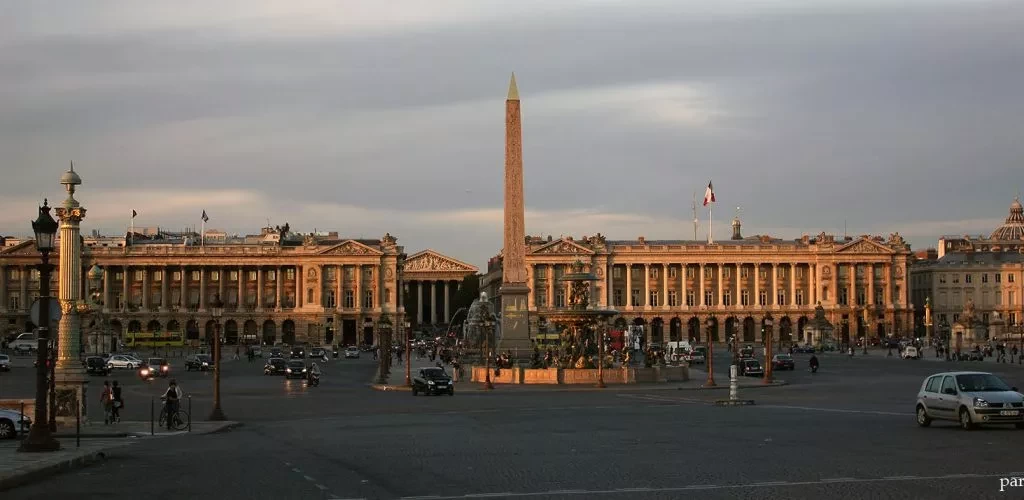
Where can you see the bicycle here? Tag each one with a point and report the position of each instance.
(179, 422)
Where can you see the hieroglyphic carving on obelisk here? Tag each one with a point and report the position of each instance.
(514, 258)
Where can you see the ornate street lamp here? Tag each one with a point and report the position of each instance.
(710, 382)
(945, 333)
(488, 324)
(40, 438)
(768, 323)
(218, 312)
(384, 362)
(408, 354)
(867, 320)
(95, 278)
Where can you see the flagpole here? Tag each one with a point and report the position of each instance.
(202, 237)
(131, 232)
(711, 238)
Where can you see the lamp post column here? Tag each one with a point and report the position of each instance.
(600, 357)
(711, 355)
(768, 330)
(217, 415)
(69, 379)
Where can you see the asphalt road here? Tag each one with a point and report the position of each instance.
(845, 432)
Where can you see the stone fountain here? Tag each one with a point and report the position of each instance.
(582, 323)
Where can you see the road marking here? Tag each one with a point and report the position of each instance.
(837, 410)
(287, 464)
(322, 487)
(309, 479)
(297, 471)
(763, 484)
(421, 497)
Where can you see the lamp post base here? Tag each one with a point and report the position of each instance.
(217, 415)
(39, 440)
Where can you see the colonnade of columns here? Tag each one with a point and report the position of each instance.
(425, 296)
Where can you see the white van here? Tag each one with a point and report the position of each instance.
(910, 352)
(677, 350)
(26, 342)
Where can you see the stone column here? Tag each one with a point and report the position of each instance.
(739, 286)
(24, 304)
(279, 278)
(300, 292)
(647, 286)
(164, 288)
(126, 289)
(888, 286)
(852, 293)
(203, 287)
(184, 287)
(222, 278)
(792, 284)
(721, 289)
(664, 286)
(433, 302)
(682, 283)
(816, 284)
(259, 288)
(531, 281)
(773, 296)
(550, 288)
(359, 287)
(629, 287)
(419, 302)
(870, 270)
(145, 288)
(108, 277)
(241, 288)
(339, 294)
(3, 288)
(447, 313)
(69, 374)
(757, 285)
(700, 280)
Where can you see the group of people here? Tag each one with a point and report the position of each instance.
(112, 402)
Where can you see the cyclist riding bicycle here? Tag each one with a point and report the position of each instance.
(172, 398)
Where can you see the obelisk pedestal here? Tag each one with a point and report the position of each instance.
(70, 376)
(514, 291)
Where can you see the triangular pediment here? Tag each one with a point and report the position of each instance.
(351, 247)
(563, 247)
(27, 247)
(429, 260)
(864, 245)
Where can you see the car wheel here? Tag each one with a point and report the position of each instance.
(415, 392)
(7, 430)
(130, 366)
(965, 420)
(922, 416)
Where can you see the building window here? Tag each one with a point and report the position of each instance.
(967, 278)
(136, 299)
(998, 276)
(329, 273)
(1010, 297)
(690, 298)
(617, 296)
(654, 272)
(673, 299)
(956, 317)
(233, 275)
(763, 273)
(252, 275)
(175, 297)
(214, 276)
(673, 272)
(879, 296)
(709, 298)
(744, 272)
(176, 275)
(726, 272)
(330, 300)
(14, 273)
(289, 273)
(690, 272)
(138, 275)
(654, 298)
(942, 279)
(799, 297)
(1009, 278)
(368, 274)
(158, 276)
(14, 301)
(350, 300)
(745, 298)
(999, 297)
(560, 297)
(1013, 318)
(118, 301)
(956, 278)
(634, 299)
(250, 300)
(799, 272)
(271, 275)
(727, 298)
(984, 278)
(781, 273)
(196, 276)
(896, 296)
(843, 296)
(541, 297)
(157, 297)
(984, 318)
(617, 272)
(861, 297)
(762, 297)
(707, 273)
(781, 298)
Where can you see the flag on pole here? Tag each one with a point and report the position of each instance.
(205, 217)
(134, 213)
(709, 194)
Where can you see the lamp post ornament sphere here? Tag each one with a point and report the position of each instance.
(40, 438)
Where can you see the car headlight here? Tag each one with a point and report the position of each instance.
(430, 382)
(980, 403)
(145, 372)
(165, 368)
(205, 363)
(287, 370)
(303, 370)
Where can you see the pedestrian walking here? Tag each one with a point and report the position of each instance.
(375, 351)
(107, 398)
(118, 403)
(237, 353)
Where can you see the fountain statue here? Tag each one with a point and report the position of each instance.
(582, 324)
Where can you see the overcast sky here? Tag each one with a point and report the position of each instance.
(371, 117)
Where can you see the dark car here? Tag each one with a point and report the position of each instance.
(432, 381)
(746, 352)
(276, 353)
(317, 352)
(751, 368)
(783, 362)
(275, 366)
(804, 349)
(159, 366)
(295, 369)
(298, 353)
(199, 362)
(95, 365)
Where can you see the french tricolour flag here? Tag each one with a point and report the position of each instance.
(709, 194)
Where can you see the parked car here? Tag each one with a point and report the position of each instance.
(5, 363)
(432, 381)
(25, 343)
(198, 362)
(96, 365)
(351, 352)
(275, 366)
(697, 357)
(970, 398)
(295, 369)
(751, 368)
(910, 352)
(783, 362)
(12, 423)
(123, 361)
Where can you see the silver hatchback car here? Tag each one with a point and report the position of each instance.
(970, 398)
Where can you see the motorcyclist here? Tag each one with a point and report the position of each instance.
(814, 364)
(314, 371)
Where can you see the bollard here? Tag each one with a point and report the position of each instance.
(189, 413)
(152, 420)
(733, 383)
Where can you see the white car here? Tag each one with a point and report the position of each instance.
(351, 352)
(123, 361)
(5, 363)
(910, 352)
(9, 427)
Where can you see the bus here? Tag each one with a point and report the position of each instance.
(158, 339)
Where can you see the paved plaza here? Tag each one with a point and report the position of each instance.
(845, 432)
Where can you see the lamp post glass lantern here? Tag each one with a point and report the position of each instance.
(218, 312)
(40, 437)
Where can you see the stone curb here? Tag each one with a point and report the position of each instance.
(228, 426)
(542, 388)
(15, 479)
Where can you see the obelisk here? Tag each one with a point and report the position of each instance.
(515, 321)
(69, 374)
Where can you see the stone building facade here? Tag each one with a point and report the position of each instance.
(679, 289)
(987, 272)
(306, 289)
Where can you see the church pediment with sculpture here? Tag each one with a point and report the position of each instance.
(563, 247)
(431, 261)
(864, 245)
(351, 247)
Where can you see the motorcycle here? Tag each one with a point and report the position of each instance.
(314, 380)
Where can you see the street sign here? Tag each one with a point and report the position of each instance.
(55, 313)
